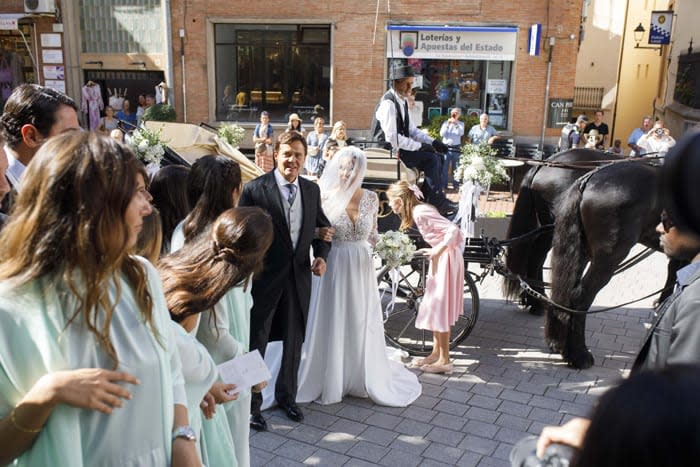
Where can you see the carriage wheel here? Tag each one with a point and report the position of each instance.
(399, 323)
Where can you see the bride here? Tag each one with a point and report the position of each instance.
(344, 352)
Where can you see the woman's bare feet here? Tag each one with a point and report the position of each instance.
(445, 368)
(430, 359)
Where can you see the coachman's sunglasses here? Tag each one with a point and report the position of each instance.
(666, 221)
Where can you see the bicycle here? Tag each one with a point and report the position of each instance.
(399, 319)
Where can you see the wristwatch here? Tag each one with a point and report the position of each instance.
(185, 432)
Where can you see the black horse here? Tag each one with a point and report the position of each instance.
(599, 219)
(540, 191)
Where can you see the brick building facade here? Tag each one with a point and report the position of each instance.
(358, 49)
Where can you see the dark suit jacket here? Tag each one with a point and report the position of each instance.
(674, 336)
(282, 263)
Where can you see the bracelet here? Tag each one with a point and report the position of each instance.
(13, 418)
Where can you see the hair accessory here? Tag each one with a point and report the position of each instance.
(416, 191)
(229, 255)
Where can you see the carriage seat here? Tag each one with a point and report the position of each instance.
(381, 165)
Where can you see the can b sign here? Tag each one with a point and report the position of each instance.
(559, 112)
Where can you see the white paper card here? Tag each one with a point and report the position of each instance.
(245, 370)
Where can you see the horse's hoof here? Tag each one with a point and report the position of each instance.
(554, 346)
(581, 360)
(536, 310)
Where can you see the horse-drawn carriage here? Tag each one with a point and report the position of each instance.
(604, 206)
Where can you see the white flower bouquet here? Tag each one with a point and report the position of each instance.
(147, 146)
(479, 165)
(231, 133)
(395, 248)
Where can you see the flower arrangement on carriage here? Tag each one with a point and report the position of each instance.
(478, 169)
(231, 133)
(148, 147)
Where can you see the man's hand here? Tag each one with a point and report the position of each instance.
(440, 147)
(326, 233)
(425, 147)
(318, 267)
(571, 433)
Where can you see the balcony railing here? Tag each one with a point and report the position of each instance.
(687, 91)
(588, 98)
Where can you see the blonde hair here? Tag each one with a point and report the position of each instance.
(402, 190)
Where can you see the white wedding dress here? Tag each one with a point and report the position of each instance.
(344, 352)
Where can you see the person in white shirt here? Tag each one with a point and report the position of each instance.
(657, 141)
(451, 132)
(415, 149)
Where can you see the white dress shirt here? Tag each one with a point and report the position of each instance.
(386, 115)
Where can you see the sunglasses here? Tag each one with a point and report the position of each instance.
(666, 222)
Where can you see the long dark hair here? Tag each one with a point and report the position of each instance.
(210, 186)
(195, 278)
(69, 225)
(169, 190)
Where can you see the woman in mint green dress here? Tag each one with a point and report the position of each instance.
(89, 369)
(197, 279)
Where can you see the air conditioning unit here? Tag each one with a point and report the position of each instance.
(40, 6)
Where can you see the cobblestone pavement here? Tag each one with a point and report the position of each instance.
(506, 385)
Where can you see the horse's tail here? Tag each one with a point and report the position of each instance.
(524, 220)
(569, 256)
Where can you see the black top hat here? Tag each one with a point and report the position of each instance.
(680, 188)
(400, 71)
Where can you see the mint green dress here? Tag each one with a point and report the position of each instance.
(214, 444)
(35, 340)
(226, 337)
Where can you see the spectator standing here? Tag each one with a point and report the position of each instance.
(140, 108)
(601, 127)
(262, 138)
(315, 141)
(483, 132)
(576, 137)
(657, 141)
(637, 133)
(294, 124)
(616, 148)
(451, 132)
(126, 115)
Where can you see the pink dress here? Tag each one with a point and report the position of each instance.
(443, 300)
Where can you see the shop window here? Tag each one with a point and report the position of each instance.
(476, 86)
(280, 68)
(16, 65)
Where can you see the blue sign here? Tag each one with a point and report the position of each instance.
(660, 30)
(533, 47)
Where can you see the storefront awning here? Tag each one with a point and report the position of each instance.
(452, 42)
(10, 21)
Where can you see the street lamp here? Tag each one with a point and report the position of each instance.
(639, 35)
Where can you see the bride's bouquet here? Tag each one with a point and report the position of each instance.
(395, 248)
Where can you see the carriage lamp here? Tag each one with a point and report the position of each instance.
(639, 35)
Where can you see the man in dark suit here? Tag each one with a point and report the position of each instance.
(282, 291)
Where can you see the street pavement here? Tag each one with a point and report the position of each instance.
(506, 385)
